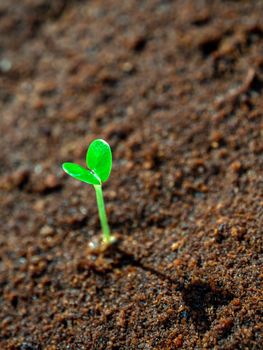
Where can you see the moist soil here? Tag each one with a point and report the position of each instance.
(175, 87)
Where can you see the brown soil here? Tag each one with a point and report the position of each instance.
(175, 87)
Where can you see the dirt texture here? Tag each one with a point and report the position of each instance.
(175, 87)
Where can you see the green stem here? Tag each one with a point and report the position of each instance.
(102, 214)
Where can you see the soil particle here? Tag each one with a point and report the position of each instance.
(17, 179)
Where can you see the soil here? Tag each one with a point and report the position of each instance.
(175, 87)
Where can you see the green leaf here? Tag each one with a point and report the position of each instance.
(81, 174)
(99, 159)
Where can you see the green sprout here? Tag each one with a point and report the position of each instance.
(99, 164)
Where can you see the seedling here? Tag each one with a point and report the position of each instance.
(99, 163)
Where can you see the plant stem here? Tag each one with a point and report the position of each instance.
(102, 214)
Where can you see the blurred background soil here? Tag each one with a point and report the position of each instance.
(175, 87)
